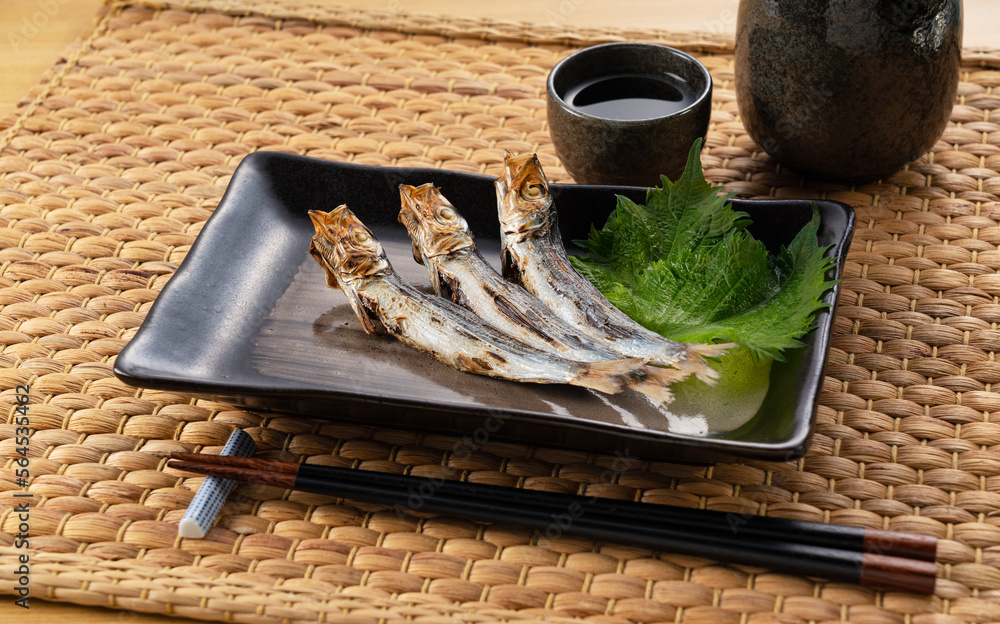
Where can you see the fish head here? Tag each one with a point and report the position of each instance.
(345, 248)
(433, 223)
(524, 204)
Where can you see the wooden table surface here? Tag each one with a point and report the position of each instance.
(34, 33)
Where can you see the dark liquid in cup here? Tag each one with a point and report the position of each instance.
(631, 96)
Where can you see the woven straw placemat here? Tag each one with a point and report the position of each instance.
(111, 167)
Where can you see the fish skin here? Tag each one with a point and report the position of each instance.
(386, 304)
(443, 243)
(533, 255)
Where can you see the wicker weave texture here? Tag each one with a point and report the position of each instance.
(111, 168)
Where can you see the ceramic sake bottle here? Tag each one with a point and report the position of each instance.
(847, 89)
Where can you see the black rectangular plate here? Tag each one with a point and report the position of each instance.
(248, 319)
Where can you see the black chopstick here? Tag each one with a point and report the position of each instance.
(807, 548)
(888, 543)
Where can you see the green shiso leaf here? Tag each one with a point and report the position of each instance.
(685, 266)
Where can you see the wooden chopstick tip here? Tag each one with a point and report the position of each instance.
(187, 466)
(254, 463)
(898, 574)
(896, 544)
(237, 473)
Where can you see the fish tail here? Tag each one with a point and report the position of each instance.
(654, 382)
(698, 367)
(711, 350)
(609, 377)
(660, 394)
(695, 364)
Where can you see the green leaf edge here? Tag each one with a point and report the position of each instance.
(597, 264)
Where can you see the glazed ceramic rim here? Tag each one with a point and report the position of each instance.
(700, 97)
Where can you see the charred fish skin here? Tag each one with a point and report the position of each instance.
(438, 233)
(533, 255)
(386, 304)
(443, 242)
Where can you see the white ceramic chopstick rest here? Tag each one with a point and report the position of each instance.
(206, 504)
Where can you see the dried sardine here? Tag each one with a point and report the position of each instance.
(444, 244)
(533, 255)
(353, 260)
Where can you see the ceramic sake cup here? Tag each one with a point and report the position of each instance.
(598, 149)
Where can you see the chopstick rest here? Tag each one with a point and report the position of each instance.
(205, 506)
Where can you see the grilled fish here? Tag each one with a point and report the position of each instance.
(444, 244)
(353, 260)
(533, 255)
